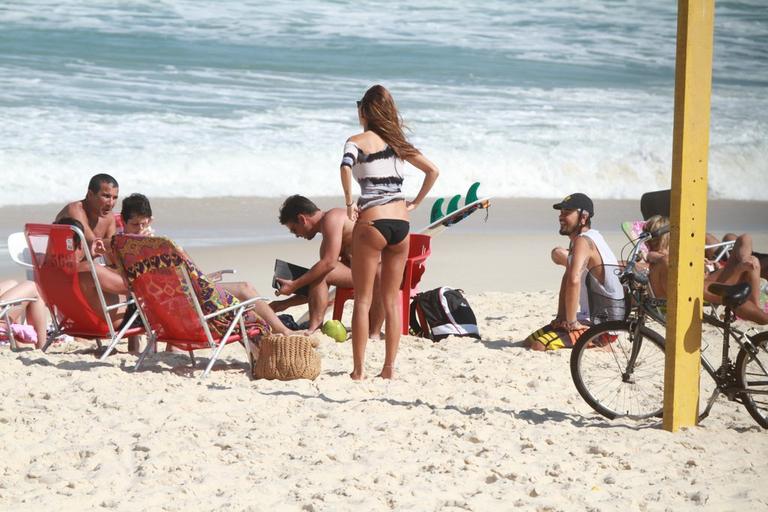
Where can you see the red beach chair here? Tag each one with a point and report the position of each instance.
(180, 305)
(55, 265)
(418, 251)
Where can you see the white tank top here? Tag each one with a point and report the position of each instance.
(611, 287)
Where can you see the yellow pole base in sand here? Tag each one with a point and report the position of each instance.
(688, 211)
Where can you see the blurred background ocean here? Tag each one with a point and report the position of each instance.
(535, 98)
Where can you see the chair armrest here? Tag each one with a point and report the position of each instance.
(244, 304)
(120, 304)
(217, 276)
(16, 302)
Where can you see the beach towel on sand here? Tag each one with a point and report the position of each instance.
(21, 332)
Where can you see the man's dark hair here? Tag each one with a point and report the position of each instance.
(95, 184)
(135, 205)
(295, 205)
(69, 221)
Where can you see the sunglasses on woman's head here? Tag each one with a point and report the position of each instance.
(359, 102)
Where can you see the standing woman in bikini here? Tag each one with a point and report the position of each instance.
(376, 159)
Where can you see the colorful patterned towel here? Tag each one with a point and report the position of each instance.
(140, 254)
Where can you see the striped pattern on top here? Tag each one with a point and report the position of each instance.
(379, 174)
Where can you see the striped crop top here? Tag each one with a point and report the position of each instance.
(379, 174)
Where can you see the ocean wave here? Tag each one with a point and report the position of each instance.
(520, 153)
(591, 33)
(533, 98)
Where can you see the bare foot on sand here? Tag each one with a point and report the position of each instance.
(387, 372)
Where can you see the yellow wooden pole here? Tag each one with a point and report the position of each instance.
(688, 211)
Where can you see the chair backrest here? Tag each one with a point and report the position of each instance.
(655, 203)
(19, 252)
(58, 275)
(418, 251)
(18, 249)
(160, 274)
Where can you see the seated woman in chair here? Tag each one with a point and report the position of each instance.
(741, 267)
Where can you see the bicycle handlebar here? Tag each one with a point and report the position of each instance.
(629, 272)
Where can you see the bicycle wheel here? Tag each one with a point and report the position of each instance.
(752, 375)
(610, 380)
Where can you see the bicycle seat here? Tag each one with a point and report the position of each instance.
(733, 295)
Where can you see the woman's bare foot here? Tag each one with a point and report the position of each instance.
(356, 375)
(387, 372)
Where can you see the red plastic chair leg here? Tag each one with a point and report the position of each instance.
(342, 296)
(405, 316)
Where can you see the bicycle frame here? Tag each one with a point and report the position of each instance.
(645, 306)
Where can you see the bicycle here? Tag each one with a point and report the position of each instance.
(618, 364)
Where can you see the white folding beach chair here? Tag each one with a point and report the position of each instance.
(19, 252)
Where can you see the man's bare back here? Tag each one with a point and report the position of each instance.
(329, 227)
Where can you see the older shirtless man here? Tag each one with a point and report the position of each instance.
(95, 212)
(304, 219)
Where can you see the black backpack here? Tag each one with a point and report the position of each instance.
(442, 312)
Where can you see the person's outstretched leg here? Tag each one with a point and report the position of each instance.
(367, 244)
(283, 304)
(392, 265)
(7, 285)
(742, 267)
(244, 291)
(35, 311)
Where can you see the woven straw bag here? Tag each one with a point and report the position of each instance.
(286, 358)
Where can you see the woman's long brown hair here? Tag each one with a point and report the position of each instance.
(381, 117)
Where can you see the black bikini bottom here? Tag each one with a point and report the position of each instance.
(394, 231)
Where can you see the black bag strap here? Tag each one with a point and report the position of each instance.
(414, 321)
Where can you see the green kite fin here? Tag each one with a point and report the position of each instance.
(437, 211)
(453, 204)
(472, 193)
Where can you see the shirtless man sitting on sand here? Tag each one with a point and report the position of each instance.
(305, 220)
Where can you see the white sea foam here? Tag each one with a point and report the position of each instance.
(532, 98)
(536, 145)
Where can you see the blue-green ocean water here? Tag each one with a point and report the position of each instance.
(535, 98)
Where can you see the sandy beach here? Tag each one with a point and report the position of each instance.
(467, 424)
(219, 111)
